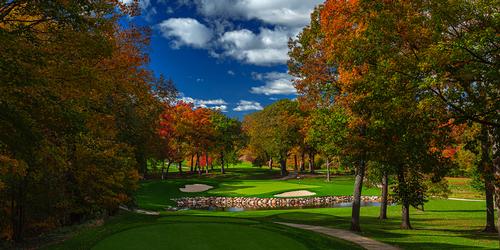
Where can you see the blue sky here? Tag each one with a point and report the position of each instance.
(225, 54)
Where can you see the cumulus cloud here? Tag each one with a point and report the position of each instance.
(276, 83)
(281, 19)
(186, 31)
(277, 12)
(267, 47)
(248, 106)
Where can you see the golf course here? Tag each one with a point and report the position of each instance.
(249, 124)
(444, 224)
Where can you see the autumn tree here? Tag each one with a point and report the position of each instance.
(70, 77)
(278, 130)
(437, 52)
(258, 137)
(461, 69)
(365, 74)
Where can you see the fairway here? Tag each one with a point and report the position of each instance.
(199, 236)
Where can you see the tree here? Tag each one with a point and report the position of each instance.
(275, 129)
(328, 132)
(257, 137)
(70, 74)
(227, 134)
(461, 69)
(339, 27)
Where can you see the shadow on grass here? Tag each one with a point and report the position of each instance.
(435, 245)
(455, 211)
(388, 231)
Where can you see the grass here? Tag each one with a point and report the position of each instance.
(133, 231)
(462, 188)
(445, 224)
(157, 194)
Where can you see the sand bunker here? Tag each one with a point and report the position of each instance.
(195, 188)
(298, 193)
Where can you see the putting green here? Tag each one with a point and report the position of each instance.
(199, 236)
(257, 187)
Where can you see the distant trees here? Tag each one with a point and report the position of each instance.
(199, 133)
(228, 137)
(274, 131)
(327, 132)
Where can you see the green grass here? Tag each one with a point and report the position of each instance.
(157, 194)
(199, 236)
(133, 231)
(445, 224)
(462, 188)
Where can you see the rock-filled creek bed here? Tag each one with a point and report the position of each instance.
(236, 204)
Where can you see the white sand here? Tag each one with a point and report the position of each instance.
(297, 193)
(195, 188)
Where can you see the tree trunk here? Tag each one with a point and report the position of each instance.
(490, 207)
(311, 162)
(327, 169)
(356, 202)
(405, 214)
(283, 166)
(163, 170)
(192, 163)
(222, 170)
(487, 171)
(496, 166)
(383, 201)
(142, 162)
(168, 167)
(296, 166)
(302, 161)
(405, 206)
(180, 167)
(206, 162)
(198, 167)
(271, 163)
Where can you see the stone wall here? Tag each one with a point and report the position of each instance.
(263, 203)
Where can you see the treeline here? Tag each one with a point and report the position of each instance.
(201, 135)
(404, 89)
(78, 119)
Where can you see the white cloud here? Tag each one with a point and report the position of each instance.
(186, 31)
(230, 72)
(292, 13)
(215, 104)
(276, 84)
(222, 108)
(269, 46)
(248, 106)
(203, 103)
(266, 46)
